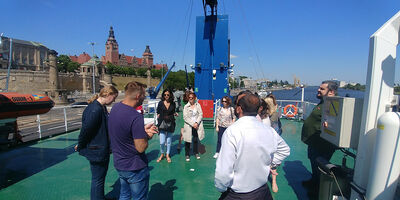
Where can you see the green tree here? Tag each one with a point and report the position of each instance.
(141, 72)
(177, 80)
(111, 69)
(241, 84)
(355, 87)
(397, 89)
(156, 73)
(62, 63)
(73, 66)
(131, 71)
(233, 83)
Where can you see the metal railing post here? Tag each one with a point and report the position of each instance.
(302, 102)
(216, 106)
(39, 129)
(65, 120)
(155, 113)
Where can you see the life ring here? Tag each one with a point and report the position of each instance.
(290, 110)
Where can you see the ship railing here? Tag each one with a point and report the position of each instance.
(304, 108)
(217, 105)
(63, 119)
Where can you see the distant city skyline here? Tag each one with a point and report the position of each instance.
(269, 39)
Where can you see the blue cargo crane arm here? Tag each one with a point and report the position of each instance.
(155, 92)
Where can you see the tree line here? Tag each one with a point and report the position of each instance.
(355, 87)
(65, 64)
(176, 80)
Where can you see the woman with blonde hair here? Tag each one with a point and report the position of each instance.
(275, 123)
(273, 114)
(93, 142)
(193, 130)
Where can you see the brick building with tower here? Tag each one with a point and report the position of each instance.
(113, 56)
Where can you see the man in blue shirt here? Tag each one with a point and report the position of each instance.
(128, 137)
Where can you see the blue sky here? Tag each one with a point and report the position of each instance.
(314, 40)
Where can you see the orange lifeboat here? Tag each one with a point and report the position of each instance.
(14, 105)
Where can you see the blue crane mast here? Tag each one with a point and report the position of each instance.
(212, 54)
(154, 92)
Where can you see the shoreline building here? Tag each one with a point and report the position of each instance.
(113, 56)
(26, 55)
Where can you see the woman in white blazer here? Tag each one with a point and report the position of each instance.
(193, 130)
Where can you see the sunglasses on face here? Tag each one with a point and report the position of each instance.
(224, 101)
(191, 97)
(167, 95)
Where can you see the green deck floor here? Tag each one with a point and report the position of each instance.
(50, 169)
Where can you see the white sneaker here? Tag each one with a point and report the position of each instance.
(197, 157)
(216, 155)
(187, 158)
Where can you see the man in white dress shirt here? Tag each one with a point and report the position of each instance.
(249, 149)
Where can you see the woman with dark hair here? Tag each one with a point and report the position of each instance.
(225, 117)
(93, 142)
(263, 113)
(166, 112)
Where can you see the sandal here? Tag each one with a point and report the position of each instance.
(168, 158)
(160, 158)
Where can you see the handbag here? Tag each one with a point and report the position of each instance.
(165, 125)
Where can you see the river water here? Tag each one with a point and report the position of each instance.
(310, 94)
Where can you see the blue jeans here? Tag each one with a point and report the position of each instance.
(134, 184)
(165, 135)
(99, 172)
(221, 131)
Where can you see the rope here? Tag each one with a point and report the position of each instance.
(340, 190)
(181, 29)
(223, 6)
(250, 37)
(187, 31)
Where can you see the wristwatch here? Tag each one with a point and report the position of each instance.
(274, 166)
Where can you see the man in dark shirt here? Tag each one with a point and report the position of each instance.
(310, 134)
(128, 137)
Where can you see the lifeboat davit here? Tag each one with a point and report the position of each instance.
(13, 105)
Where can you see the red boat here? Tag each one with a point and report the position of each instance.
(13, 105)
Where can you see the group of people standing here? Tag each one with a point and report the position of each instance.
(266, 113)
(122, 132)
(249, 142)
(249, 149)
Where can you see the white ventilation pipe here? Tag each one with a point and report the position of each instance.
(378, 95)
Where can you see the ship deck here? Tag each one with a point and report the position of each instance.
(50, 169)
